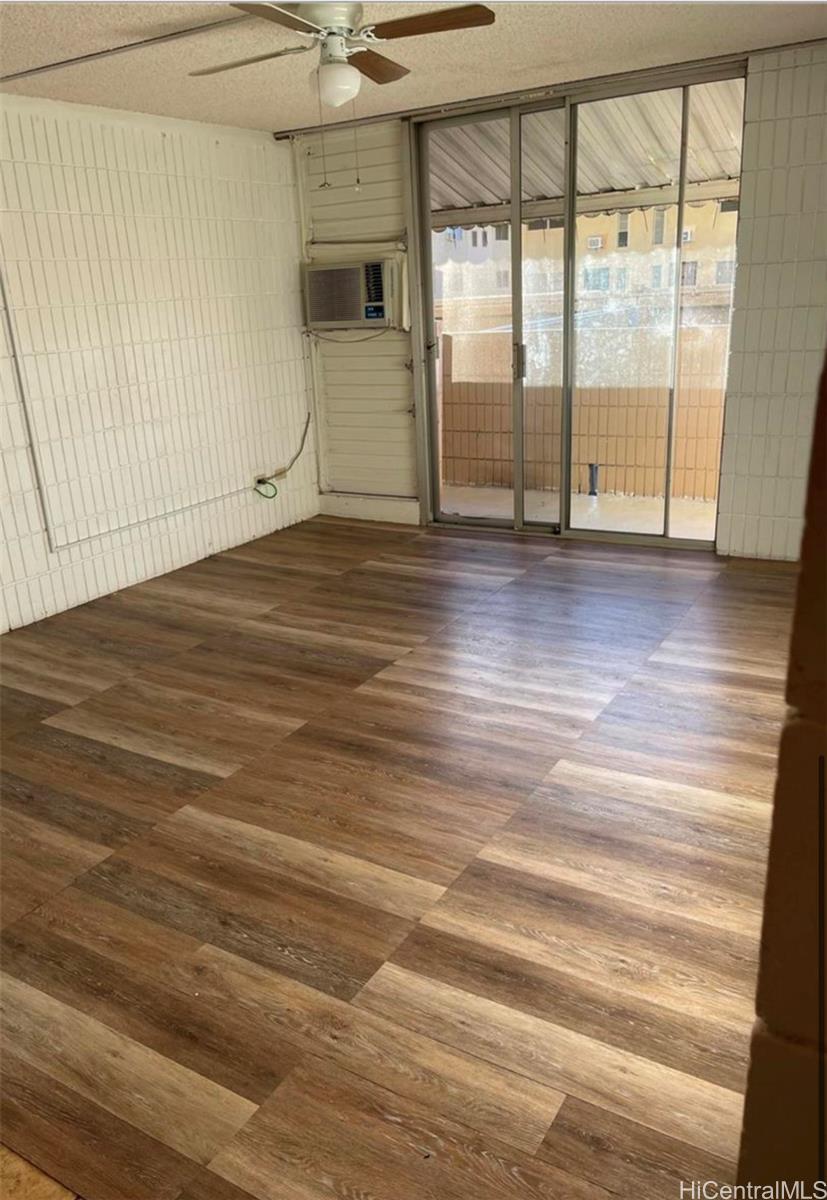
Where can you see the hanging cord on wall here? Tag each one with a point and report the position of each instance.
(347, 341)
(358, 185)
(325, 182)
(264, 484)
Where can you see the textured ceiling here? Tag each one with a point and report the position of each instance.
(530, 45)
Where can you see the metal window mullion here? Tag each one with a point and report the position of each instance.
(419, 352)
(428, 338)
(600, 202)
(569, 279)
(676, 313)
(518, 372)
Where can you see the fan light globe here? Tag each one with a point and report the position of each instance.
(338, 83)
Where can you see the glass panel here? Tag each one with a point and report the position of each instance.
(543, 151)
(470, 165)
(543, 157)
(625, 260)
(707, 281)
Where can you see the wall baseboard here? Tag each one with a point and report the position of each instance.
(395, 509)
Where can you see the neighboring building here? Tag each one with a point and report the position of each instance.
(625, 268)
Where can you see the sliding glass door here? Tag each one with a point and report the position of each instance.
(472, 319)
(581, 266)
(705, 292)
(625, 302)
(542, 178)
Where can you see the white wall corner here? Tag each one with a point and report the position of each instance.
(152, 269)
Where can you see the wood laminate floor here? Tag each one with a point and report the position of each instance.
(366, 862)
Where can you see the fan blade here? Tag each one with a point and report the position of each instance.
(441, 21)
(272, 12)
(246, 62)
(377, 67)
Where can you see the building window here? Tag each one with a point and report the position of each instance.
(725, 271)
(503, 279)
(689, 274)
(657, 276)
(621, 277)
(622, 230)
(501, 233)
(479, 237)
(659, 227)
(473, 237)
(596, 279)
(454, 234)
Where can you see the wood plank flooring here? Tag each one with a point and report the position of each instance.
(366, 861)
(19, 1180)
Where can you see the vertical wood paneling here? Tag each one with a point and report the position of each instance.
(366, 401)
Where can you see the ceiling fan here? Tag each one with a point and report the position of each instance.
(338, 30)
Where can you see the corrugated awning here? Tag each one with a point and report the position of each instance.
(623, 144)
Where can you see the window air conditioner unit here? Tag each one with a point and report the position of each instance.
(688, 235)
(595, 243)
(350, 295)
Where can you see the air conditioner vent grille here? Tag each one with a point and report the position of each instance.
(374, 283)
(334, 294)
(350, 295)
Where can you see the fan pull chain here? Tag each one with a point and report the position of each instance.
(358, 185)
(325, 182)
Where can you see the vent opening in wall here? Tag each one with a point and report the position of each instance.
(349, 295)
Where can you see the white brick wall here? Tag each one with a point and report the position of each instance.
(152, 271)
(780, 320)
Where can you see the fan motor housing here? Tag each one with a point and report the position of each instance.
(331, 16)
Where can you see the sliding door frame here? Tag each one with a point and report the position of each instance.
(517, 343)
(515, 211)
(428, 349)
(676, 315)
(569, 289)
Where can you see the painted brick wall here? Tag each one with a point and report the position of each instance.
(152, 274)
(780, 320)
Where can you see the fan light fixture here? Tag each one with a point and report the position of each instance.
(338, 83)
(336, 27)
